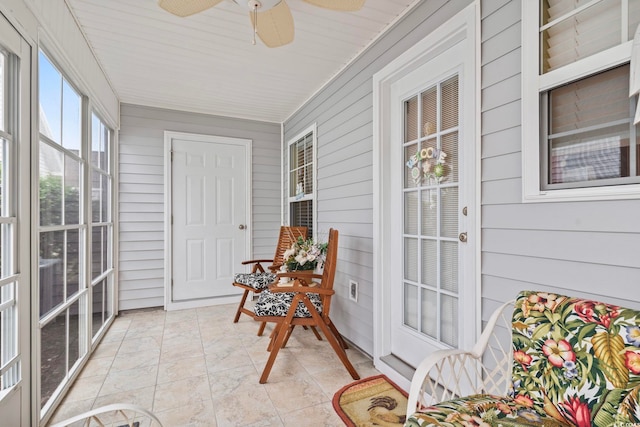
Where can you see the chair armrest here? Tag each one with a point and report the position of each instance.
(486, 368)
(302, 274)
(256, 261)
(430, 377)
(274, 288)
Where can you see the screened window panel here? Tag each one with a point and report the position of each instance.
(51, 269)
(3, 174)
(100, 196)
(73, 261)
(9, 336)
(100, 144)
(3, 99)
(98, 307)
(99, 250)
(71, 119)
(634, 17)
(72, 188)
(50, 96)
(51, 185)
(53, 356)
(73, 344)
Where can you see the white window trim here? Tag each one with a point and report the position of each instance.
(532, 85)
(313, 129)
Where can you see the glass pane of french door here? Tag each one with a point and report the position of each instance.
(431, 188)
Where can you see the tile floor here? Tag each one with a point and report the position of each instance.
(197, 368)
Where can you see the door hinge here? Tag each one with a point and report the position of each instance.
(171, 155)
(171, 219)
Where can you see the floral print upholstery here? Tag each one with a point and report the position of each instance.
(576, 362)
(278, 303)
(257, 281)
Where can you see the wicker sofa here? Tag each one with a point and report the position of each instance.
(571, 361)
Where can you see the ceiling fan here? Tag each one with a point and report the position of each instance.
(271, 19)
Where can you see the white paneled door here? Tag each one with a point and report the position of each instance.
(210, 215)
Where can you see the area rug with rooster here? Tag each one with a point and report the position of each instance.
(370, 402)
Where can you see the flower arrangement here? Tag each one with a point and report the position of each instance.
(304, 255)
(427, 163)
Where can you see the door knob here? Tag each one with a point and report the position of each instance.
(242, 226)
(463, 237)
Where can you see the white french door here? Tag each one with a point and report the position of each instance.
(210, 214)
(428, 204)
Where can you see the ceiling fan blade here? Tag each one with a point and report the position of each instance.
(184, 8)
(341, 5)
(275, 26)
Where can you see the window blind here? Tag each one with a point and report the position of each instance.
(301, 215)
(594, 101)
(577, 29)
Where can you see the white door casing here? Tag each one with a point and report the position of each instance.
(208, 211)
(450, 50)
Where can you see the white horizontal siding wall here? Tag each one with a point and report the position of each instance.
(343, 111)
(141, 192)
(587, 249)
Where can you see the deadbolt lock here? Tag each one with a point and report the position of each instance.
(463, 237)
(464, 211)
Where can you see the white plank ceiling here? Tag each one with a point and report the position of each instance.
(206, 63)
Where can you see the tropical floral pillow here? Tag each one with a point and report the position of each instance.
(577, 359)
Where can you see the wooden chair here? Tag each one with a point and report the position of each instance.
(259, 279)
(302, 302)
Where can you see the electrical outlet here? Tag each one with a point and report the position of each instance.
(353, 290)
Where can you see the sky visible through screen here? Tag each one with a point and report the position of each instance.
(60, 107)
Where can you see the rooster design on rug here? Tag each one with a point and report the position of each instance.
(380, 413)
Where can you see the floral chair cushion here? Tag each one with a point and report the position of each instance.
(578, 359)
(278, 303)
(257, 281)
(576, 362)
(482, 410)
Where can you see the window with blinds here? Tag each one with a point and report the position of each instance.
(587, 134)
(301, 179)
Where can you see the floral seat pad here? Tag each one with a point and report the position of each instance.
(278, 303)
(482, 410)
(257, 281)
